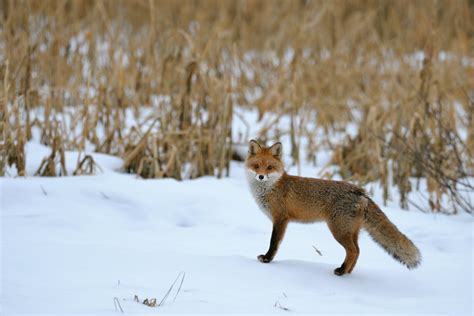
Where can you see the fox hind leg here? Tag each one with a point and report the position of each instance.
(355, 240)
(347, 236)
(351, 254)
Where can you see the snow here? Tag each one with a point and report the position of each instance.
(72, 244)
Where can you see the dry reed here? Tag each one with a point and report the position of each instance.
(80, 74)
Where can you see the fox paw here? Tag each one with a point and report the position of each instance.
(339, 271)
(264, 259)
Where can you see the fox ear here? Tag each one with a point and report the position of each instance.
(254, 147)
(277, 150)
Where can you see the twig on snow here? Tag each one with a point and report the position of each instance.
(317, 250)
(117, 305)
(44, 191)
(277, 304)
(182, 274)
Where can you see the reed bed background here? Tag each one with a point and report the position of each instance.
(157, 82)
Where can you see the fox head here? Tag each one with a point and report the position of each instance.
(264, 163)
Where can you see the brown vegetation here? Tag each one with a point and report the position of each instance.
(75, 70)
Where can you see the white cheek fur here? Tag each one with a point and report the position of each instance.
(260, 188)
(274, 176)
(271, 178)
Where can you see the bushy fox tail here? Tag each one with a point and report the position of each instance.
(387, 235)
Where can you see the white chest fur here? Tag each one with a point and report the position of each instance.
(260, 190)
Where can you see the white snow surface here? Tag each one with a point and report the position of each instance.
(69, 245)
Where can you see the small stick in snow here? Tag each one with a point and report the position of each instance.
(117, 304)
(151, 302)
(277, 304)
(104, 195)
(317, 250)
(182, 274)
(44, 191)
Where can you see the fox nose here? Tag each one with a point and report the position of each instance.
(260, 177)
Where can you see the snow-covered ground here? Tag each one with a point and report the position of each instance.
(73, 244)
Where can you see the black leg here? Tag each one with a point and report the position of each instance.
(278, 232)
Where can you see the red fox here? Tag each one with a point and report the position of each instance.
(345, 207)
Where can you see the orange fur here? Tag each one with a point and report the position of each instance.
(345, 207)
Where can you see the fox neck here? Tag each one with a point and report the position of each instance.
(260, 189)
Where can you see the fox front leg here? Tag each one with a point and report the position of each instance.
(278, 232)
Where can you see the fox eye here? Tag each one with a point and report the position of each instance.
(255, 166)
(269, 168)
